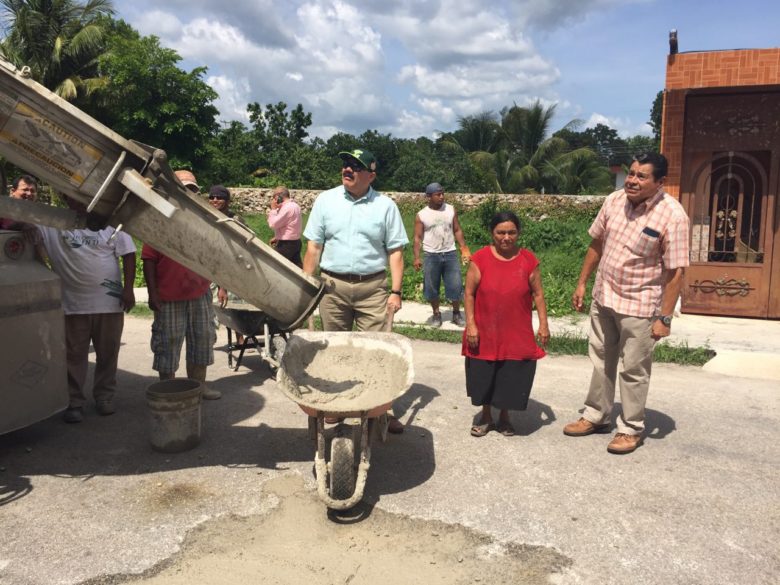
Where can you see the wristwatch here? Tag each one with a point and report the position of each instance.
(395, 292)
(666, 320)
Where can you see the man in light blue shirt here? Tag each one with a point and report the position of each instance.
(353, 234)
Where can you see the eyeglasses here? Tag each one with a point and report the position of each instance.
(220, 197)
(356, 166)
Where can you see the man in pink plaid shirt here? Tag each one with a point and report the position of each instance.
(640, 247)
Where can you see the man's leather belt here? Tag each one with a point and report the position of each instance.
(352, 278)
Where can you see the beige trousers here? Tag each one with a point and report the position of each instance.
(612, 337)
(362, 304)
(104, 330)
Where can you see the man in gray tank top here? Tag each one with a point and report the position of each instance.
(436, 229)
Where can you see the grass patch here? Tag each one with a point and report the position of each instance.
(565, 344)
(571, 344)
(141, 310)
(682, 354)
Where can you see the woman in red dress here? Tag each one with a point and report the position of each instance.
(502, 283)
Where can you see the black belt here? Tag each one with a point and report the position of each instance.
(354, 277)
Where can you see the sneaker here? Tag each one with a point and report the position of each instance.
(105, 407)
(435, 320)
(210, 394)
(623, 443)
(457, 319)
(73, 414)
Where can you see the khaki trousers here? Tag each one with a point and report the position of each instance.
(362, 304)
(614, 336)
(105, 332)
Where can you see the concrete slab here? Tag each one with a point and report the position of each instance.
(697, 503)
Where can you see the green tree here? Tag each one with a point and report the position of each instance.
(576, 172)
(145, 96)
(59, 40)
(275, 123)
(233, 156)
(656, 118)
(607, 144)
(478, 133)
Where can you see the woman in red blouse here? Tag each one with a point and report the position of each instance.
(502, 283)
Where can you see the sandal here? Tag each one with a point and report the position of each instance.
(483, 429)
(506, 429)
(394, 426)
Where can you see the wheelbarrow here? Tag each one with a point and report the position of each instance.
(258, 329)
(352, 376)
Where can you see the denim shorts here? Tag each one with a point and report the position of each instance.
(446, 266)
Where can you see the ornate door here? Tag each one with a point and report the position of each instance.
(729, 200)
(728, 185)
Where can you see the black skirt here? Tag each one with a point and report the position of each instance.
(504, 384)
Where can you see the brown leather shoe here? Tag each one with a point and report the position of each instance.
(584, 427)
(622, 443)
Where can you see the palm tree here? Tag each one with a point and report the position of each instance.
(59, 40)
(477, 133)
(576, 172)
(527, 128)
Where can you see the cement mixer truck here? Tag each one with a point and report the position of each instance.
(124, 184)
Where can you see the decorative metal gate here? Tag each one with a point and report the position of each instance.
(727, 197)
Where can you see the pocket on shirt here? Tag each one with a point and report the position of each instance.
(647, 243)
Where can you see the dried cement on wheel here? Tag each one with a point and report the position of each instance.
(344, 377)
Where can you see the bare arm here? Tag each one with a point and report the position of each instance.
(537, 291)
(418, 237)
(396, 261)
(589, 264)
(128, 272)
(465, 252)
(473, 276)
(150, 274)
(673, 281)
(312, 257)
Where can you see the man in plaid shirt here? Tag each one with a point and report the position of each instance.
(640, 246)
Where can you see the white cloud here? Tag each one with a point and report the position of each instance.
(159, 23)
(624, 126)
(233, 97)
(405, 66)
(551, 15)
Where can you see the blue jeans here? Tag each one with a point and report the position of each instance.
(436, 267)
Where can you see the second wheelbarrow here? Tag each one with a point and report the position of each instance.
(352, 376)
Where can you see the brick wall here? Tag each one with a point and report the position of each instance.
(713, 69)
(723, 69)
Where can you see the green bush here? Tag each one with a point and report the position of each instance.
(559, 239)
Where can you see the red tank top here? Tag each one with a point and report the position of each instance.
(502, 308)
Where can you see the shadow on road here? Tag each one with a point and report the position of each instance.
(118, 445)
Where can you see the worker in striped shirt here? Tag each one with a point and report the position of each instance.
(640, 247)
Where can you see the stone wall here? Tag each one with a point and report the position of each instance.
(249, 201)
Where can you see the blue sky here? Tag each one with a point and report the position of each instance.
(413, 67)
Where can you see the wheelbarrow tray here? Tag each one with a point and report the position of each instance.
(260, 332)
(345, 374)
(247, 320)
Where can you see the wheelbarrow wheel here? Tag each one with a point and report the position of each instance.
(342, 468)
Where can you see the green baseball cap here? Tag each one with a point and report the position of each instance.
(364, 157)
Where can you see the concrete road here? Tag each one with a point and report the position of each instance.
(698, 503)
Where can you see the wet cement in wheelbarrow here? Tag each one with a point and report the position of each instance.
(344, 378)
(296, 543)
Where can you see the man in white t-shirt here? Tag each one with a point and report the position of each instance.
(94, 294)
(436, 228)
